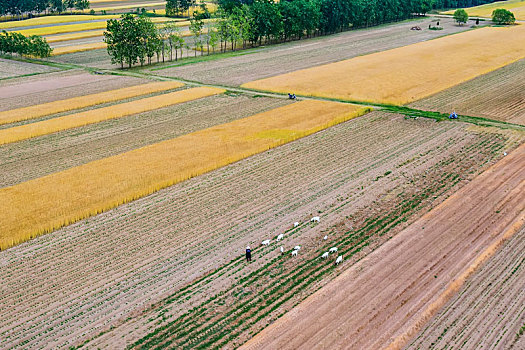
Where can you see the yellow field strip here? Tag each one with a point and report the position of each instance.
(41, 110)
(76, 120)
(53, 20)
(408, 73)
(42, 205)
(124, 7)
(57, 51)
(75, 36)
(77, 27)
(517, 7)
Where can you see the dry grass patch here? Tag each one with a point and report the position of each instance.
(44, 204)
(517, 7)
(76, 120)
(41, 110)
(406, 74)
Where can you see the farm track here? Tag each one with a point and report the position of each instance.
(488, 311)
(25, 160)
(410, 274)
(497, 95)
(116, 275)
(288, 57)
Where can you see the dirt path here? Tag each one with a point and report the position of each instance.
(488, 311)
(389, 295)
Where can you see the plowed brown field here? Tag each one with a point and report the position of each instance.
(387, 297)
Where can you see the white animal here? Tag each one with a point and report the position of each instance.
(504, 153)
(281, 236)
(282, 250)
(297, 247)
(339, 259)
(295, 224)
(325, 255)
(266, 242)
(294, 253)
(325, 238)
(315, 219)
(333, 250)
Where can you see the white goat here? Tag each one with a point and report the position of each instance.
(333, 250)
(339, 259)
(325, 255)
(282, 250)
(325, 238)
(281, 236)
(295, 224)
(297, 247)
(294, 253)
(315, 219)
(266, 242)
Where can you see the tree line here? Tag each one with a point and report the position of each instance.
(27, 8)
(33, 45)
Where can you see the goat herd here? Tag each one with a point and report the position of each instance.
(296, 249)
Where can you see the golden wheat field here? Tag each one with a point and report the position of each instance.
(41, 110)
(76, 120)
(44, 204)
(75, 36)
(408, 73)
(53, 20)
(517, 7)
(78, 48)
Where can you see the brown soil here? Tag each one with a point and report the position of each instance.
(488, 311)
(59, 86)
(387, 297)
(96, 273)
(284, 58)
(497, 95)
(11, 68)
(37, 157)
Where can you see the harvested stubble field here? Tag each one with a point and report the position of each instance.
(497, 95)
(273, 60)
(517, 7)
(407, 166)
(45, 88)
(488, 311)
(40, 110)
(41, 156)
(89, 189)
(11, 69)
(395, 290)
(403, 75)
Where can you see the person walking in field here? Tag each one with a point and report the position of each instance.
(248, 254)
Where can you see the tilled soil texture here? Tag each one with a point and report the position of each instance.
(59, 86)
(97, 276)
(29, 159)
(289, 57)
(386, 298)
(488, 311)
(497, 95)
(11, 68)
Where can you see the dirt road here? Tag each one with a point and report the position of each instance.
(388, 297)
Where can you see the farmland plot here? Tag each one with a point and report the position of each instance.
(497, 95)
(409, 73)
(41, 156)
(289, 57)
(517, 7)
(10, 68)
(395, 290)
(488, 311)
(165, 247)
(45, 88)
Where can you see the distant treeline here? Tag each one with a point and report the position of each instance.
(25, 8)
